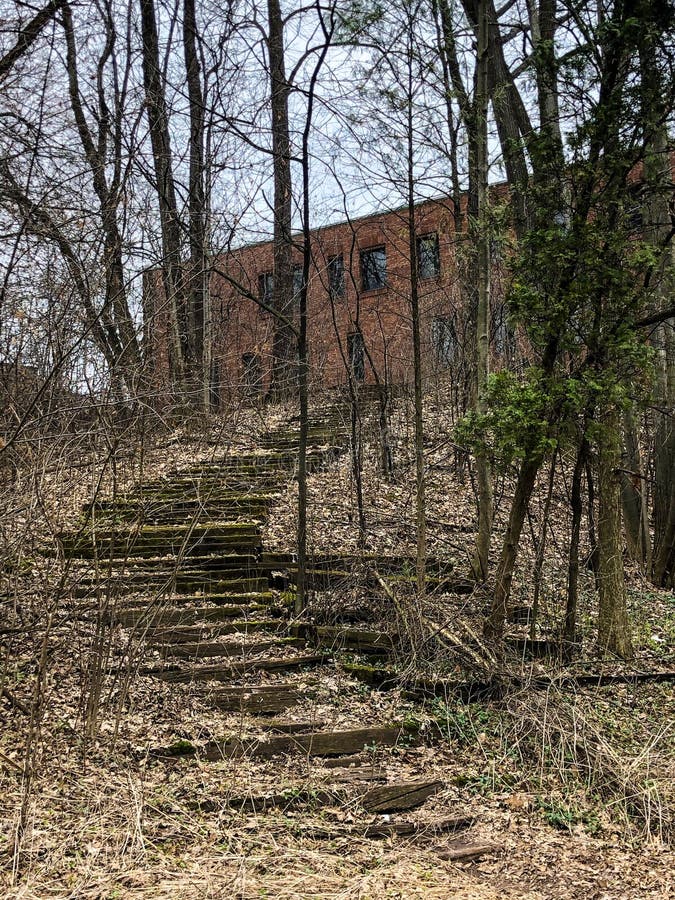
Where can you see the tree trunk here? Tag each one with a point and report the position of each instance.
(197, 205)
(483, 474)
(420, 502)
(633, 497)
(527, 476)
(613, 628)
(95, 149)
(283, 365)
(172, 271)
(570, 624)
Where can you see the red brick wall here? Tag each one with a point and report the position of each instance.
(241, 327)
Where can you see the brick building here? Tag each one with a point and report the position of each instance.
(358, 304)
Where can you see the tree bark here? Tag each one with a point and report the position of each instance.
(198, 277)
(95, 151)
(482, 351)
(613, 628)
(633, 496)
(283, 365)
(570, 624)
(158, 121)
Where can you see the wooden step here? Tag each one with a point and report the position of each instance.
(227, 672)
(205, 649)
(338, 637)
(399, 796)
(179, 615)
(186, 634)
(261, 700)
(182, 582)
(320, 743)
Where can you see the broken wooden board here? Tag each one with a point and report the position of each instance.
(460, 851)
(400, 796)
(405, 829)
(319, 743)
(357, 775)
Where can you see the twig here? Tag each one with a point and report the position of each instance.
(5, 692)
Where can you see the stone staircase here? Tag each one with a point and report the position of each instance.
(180, 564)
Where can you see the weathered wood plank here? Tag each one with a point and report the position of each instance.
(230, 670)
(190, 633)
(404, 829)
(357, 775)
(459, 851)
(204, 649)
(399, 796)
(262, 701)
(320, 743)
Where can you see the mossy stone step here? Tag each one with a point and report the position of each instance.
(180, 531)
(204, 488)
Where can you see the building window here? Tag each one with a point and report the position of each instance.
(336, 276)
(443, 341)
(356, 354)
(428, 256)
(373, 268)
(266, 287)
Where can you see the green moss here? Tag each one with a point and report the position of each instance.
(181, 747)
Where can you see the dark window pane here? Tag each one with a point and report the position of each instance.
(266, 287)
(356, 354)
(428, 257)
(443, 340)
(336, 276)
(373, 268)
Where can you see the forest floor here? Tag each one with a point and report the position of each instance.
(571, 790)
